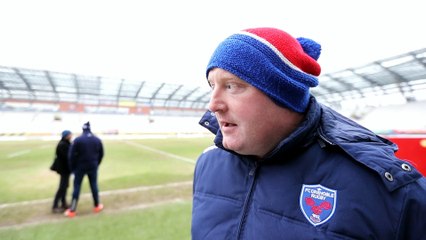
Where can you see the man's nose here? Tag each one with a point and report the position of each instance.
(216, 101)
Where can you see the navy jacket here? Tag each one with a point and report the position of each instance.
(86, 152)
(60, 163)
(331, 179)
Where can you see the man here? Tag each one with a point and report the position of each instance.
(85, 156)
(286, 167)
(60, 165)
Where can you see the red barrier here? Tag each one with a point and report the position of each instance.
(411, 148)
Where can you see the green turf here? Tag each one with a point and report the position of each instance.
(128, 164)
(27, 176)
(171, 221)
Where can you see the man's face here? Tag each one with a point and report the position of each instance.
(250, 122)
(68, 137)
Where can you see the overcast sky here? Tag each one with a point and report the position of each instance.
(172, 40)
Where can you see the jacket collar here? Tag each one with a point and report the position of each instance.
(367, 148)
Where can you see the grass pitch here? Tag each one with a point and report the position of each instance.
(145, 185)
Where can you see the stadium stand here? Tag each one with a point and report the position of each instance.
(410, 117)
(42, 102)
(24, 125)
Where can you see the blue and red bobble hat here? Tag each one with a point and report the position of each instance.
(281, 66)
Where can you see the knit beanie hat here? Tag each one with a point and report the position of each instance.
(86, 126)
(65, 133)
(282, 67)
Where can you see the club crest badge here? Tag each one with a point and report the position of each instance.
(317, 203)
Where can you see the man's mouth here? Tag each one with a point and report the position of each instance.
(228, 124)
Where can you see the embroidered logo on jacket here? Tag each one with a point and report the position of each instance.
(317, 203)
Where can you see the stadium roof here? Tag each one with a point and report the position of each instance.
(403, 75)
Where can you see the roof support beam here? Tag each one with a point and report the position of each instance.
(156, 92)
(187, 96)
(49, 79)
(172, 94)
(139, 90)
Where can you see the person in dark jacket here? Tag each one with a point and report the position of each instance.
(60, 165)
(85, 156)
(284, 166)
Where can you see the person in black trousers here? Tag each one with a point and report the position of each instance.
(85, 156)
(60, 165)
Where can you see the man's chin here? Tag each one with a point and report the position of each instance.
(231, 145)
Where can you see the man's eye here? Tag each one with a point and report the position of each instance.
(230, 86)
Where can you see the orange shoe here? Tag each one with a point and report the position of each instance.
(98, 208)
(69, 213)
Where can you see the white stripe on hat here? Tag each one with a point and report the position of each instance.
(276, 51)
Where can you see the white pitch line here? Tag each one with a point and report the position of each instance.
(19, 153)
(103, 193)
(145, 188)
(161, 152)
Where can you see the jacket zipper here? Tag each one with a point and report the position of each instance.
(252, 174)
(324, 138)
